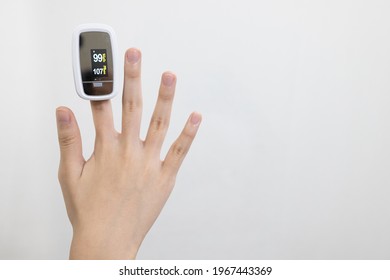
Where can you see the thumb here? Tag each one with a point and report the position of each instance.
(72, 161)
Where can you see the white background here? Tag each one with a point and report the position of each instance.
(292, 159)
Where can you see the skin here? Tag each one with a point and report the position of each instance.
(114, 197)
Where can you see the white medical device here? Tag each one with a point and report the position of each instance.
(95, 61)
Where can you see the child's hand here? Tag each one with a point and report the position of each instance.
(114, 198)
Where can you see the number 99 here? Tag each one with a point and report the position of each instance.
(97, 57)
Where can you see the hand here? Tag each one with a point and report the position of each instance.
(113, 198)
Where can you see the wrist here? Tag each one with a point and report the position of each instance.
(94, 247)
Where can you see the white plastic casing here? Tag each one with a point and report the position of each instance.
(90, 27)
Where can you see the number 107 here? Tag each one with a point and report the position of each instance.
(99, 71)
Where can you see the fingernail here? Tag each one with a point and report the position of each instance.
(63, 117)
(168, 79)
(133, 55)
(195, 119)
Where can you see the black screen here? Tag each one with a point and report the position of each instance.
(96, 63)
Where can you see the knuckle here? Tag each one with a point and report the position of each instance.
(67, 140)
(158, 123)
(130, 105)
(165, 96)
(188, 134)
(178, 150)
(132, 73)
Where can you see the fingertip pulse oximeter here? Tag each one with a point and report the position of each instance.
(95, 65)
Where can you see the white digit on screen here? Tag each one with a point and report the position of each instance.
(97, 57)
(97, 71)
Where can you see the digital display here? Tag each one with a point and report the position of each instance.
(99, 62)
(96, 63)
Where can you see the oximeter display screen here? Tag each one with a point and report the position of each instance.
(99, 62)
(96, 63)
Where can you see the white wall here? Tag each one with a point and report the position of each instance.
(292, 159)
